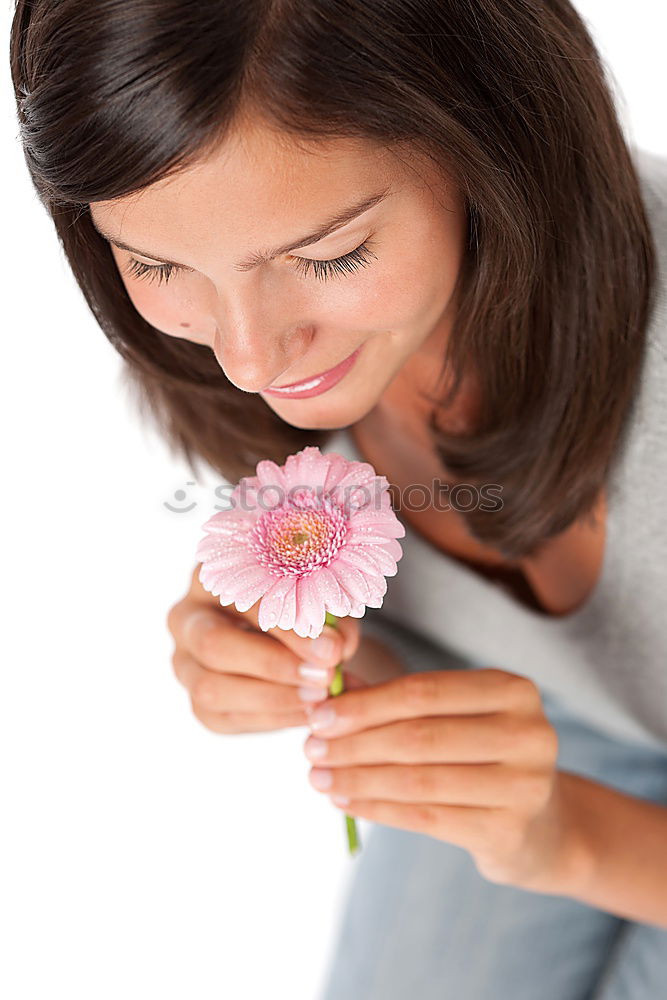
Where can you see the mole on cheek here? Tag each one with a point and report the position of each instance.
(185, 324)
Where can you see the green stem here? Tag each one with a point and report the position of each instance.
(337, 687)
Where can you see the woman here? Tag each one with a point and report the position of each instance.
(434, 205)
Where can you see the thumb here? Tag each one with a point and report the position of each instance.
(349, 630)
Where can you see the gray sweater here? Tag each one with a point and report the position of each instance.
(607, 661)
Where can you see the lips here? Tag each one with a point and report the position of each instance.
(315, 384)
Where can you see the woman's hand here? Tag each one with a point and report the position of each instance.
(241, 679)
(466, 756)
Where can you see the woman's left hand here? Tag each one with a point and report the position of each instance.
(466, 756)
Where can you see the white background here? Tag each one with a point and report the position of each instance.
(142, 855)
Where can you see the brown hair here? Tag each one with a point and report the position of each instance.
(554, 293)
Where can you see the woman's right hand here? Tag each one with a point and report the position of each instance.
(243, 680)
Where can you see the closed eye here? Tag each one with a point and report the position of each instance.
(349, 262)
(322, 269)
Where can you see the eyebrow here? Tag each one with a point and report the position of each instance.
(332, 224)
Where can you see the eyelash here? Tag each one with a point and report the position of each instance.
(346, 264)
(323, 269)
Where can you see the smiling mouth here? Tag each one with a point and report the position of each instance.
(304, 383)
(316, 384)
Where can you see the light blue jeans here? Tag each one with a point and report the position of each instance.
(421, 923)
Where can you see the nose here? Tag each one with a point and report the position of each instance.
(253, 363)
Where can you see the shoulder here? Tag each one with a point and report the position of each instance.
(641, 456)
(652, 172)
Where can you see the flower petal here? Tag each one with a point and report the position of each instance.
(377, 586)
(313, 467)
(393, 547)
(235, 584)
(351, 580)
(212, 548)
(309, 608)
(217, 572)
(353, 557)
(366, 535)
(359, 484)
(384, 520)
(359, 556)
(231, 523)
(307, 468)
(336, 601)
(377, 556)
(288, 614)
(338, 467)
(270, 474)
(273, 602)
(254, 589)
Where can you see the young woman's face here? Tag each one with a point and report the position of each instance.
(384, 292)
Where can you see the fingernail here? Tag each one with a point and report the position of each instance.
(324, 647)
(321, 778)
(311, 672)
(340, 800)
(314, 749)
(312, 693)
(202, 620)
(322, 717)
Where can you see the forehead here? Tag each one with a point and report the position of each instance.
(256, 184)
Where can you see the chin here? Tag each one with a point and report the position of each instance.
(314, 413)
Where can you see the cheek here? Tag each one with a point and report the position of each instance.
(421, 265)
(156, 304)
(411, 292)
(167, 311)
(160, 305)
(396, 294)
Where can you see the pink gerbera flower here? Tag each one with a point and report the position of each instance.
(315, 535)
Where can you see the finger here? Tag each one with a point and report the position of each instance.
(427, 693)
(465, 826)
(329, 648)
(222, 643)
(349, 630)
(233, 692)
(351, 682)
(463, 739)
(481, 785)
(247, 722)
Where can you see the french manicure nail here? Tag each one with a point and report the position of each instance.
(321, 778)
(322, 717)
(312, 693)
(324, 647)
(314, 748)
(311, 672)
(202, 620)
